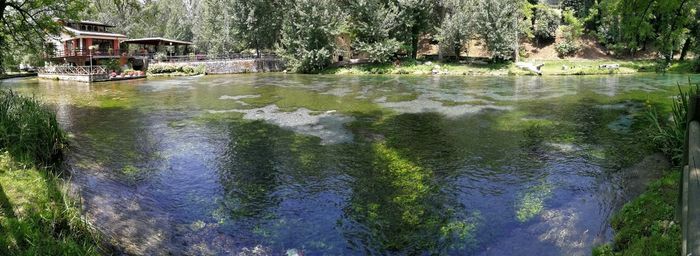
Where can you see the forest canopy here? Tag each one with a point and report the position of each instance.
(306, 32)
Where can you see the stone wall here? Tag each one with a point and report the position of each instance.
(233, 66)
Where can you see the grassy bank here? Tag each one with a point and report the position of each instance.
(36, 215)
(413, 67)
(645, 225)
(551, 67)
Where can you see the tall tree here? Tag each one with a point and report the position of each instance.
(457, 27)
(257, 23)
(497, 25)
(371, 22)
(416, 18)
(308, 34)
(213, 31)
(29, 24)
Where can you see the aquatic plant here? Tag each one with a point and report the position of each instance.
(29, 131)
(669, 135)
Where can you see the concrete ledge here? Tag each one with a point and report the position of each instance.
(235, 66)
(77, 78)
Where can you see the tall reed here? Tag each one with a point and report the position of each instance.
(668, 135)
(29, 131)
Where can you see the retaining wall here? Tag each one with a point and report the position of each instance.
(233, 66)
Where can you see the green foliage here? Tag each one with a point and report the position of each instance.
(112, 64)
(497, 25)
(380, 52)
(36, 217)
(546, 23)
(371, 21)
(25, 26)
(183, 68)
(566, 48)
(572, 31)
(415, 18)
(28, 131)
(256, 23)
(308, 35)
(645, 226)
(456, 28)
(669, 135)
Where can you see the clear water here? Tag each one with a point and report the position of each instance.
(354, 165)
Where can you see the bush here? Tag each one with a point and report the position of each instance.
(380, 52)
(669, 136)
(28, 131)
(546, 23)
(187, 69)
(566, 48)
(311, 61)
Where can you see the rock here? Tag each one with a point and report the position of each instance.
(428, 63)
(609, 66)
(530, 67)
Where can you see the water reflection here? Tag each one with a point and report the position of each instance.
(353, 165)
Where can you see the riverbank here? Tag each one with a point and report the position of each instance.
(477, 68)
(17, 75)
(645, 225)
(37, 214)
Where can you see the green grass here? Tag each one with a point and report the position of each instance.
(412, 67)
(645, 226)
(551, 67)
(28, 131)
(36, 215)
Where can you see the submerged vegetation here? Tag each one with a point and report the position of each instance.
(36, 216)
(645, 226)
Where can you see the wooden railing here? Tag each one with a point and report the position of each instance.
(86, 53)
(690, 182)
(73, 70)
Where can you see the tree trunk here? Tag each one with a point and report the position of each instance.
(684, 50)
(414, 45)
(2, 39)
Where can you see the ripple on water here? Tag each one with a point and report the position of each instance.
(328, 126)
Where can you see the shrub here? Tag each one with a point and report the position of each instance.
(28, 131)
(546, 23)
(566, 48)
(669, 136)
(380, 52)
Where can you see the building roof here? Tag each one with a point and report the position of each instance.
(156, 41)
(92, 23)
(84, 22)
(92, 33)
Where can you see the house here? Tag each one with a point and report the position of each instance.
(83, 41)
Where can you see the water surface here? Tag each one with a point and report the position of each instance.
(354, 165)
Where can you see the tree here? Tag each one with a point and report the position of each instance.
(456, 28)
(308, 34)
(257, 23)
(371, 22)
(546, 23)
(213, 29)
(416, 17)
(29, 24)
(497, 23)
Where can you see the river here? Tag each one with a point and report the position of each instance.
(259, 164)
